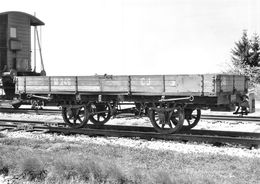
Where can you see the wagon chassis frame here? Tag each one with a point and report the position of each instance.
(166, 113)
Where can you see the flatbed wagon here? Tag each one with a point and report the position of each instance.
(169, 101)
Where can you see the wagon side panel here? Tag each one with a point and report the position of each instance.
(63, 84)
(32, 84)
(37, 84)
(116, 84)
(231, 84)
(147, 85)
(110, 84)
(89, 84)
(225, 83)
(209, 85)
(184, 85)
(240, 83)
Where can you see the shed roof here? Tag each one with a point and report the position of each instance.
(33, 20)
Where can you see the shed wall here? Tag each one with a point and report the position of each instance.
(23, 35)
(3, 41)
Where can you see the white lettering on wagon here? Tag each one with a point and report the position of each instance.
(62, 82)
(173, 84)
(145, 81)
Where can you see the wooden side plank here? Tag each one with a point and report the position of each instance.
(147, 84)
(180, 85)
(115, 84)
(209, 85)
(184, 84)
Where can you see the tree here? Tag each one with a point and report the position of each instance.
(255, 52)
(246, 57)
(241, 53)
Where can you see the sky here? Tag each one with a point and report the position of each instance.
(139, 37)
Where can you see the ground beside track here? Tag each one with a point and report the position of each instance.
(148, 161)
(156, 161)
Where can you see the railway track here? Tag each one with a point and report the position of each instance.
(247, 139)
(205, 117)
(30, 111)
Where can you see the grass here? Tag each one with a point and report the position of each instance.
(54, 161)
(1, 135)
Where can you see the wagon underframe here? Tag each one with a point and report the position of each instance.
(168, 114)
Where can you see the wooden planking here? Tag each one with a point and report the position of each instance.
(88, 81)
(37, 81)
(146, 84)
(100, 84)
(63, 81)
(115, 84)
(240, 83)
(39, 88)
(184, 84)
(63, 89)
(89, 89)
(67, 84)
(115, 89)
(226, 83)
(209, 85)
(230, 83)
(197, 85)
(33, 84)
(147, 89)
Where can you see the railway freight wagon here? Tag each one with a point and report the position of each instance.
(172, 102)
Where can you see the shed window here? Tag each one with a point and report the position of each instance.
(13, 32)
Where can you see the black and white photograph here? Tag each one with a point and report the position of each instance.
(130, 92)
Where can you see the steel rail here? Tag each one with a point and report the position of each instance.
(30, 111)
(209, 136)
(204, 117)
(131, 128)
(251, 142)
(231, 118)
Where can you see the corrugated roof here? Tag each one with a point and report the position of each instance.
(33, 20)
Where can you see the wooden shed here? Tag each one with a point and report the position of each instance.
(15, 40)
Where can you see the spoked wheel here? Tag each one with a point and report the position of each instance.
(167, 120)
(192, 117)
(75, 116)
(100, 113)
